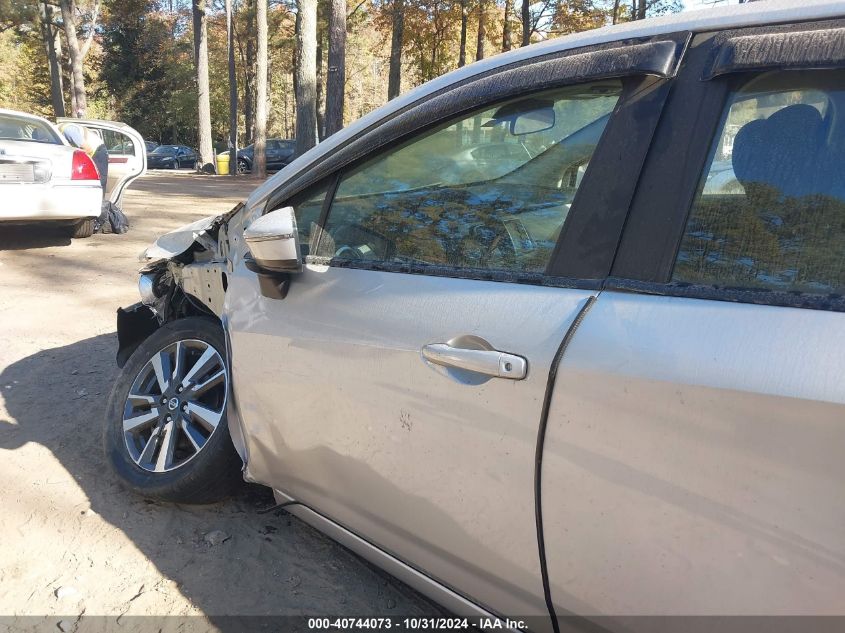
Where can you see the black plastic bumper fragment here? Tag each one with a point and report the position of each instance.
(134, 325)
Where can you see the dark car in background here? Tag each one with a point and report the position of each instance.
(149, 146)
(279, 153)
(172, 157)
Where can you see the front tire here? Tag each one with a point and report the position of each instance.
(243, 167)
(165, 431)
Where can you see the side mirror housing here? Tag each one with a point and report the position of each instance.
(273, 241)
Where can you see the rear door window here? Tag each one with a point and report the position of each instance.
(117, 143)
(770, 210)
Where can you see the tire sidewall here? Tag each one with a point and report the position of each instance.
(216, 456)
(82, 229)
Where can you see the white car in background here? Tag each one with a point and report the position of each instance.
(44, 178)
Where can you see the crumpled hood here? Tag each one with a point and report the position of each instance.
(180, 240)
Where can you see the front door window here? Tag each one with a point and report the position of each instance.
(490, 190)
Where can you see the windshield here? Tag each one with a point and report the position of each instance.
(18, 128)
(169, 150)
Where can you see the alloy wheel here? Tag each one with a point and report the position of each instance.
(176, 403)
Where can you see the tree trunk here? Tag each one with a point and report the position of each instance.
(249, 73)
(321, 97)
(394, 81)
(526, 22)
(286, 107)
(73, 107)
(462, 53)
(336, 80)
(233, 92)
(52, 46)
(206, 150)
(482, 30)
(260, 163)
(306, 76)
(75, 54)
(507, 42)
(249, 90)
(638, 9)
(615, 16)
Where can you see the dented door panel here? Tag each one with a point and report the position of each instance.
(342, 412)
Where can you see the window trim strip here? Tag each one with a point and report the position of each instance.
(762, 296)
(478, 274)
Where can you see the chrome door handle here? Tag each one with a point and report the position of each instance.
(487, 362)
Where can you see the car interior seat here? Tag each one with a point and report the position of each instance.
(781, 155)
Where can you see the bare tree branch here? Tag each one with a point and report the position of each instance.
(355, 10)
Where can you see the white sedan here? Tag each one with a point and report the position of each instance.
(44, 178)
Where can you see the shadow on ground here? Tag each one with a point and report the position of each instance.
(271, 564)
(36, 235)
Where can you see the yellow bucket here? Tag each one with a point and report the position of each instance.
(223, 163)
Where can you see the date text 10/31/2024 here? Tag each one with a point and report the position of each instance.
(414, 624)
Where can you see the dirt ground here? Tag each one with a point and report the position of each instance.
(73, 542)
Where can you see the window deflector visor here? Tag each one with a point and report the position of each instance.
(823, 48)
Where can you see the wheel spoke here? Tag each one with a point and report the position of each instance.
(161, 366)
(194, 436)
(168, 445)
(205, 416)
(137, 397)
(178, 368)
(131, 425)
(146, 456)
(216, 379)
(203, 364)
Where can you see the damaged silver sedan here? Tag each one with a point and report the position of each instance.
(501, 339)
